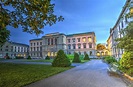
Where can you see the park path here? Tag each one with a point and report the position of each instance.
(90, 74)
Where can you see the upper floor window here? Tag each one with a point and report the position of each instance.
(84, 39)
(37, 43)
(34, 44)
(6, 46)
(78, 39)
(73, 39)
(31, 48)
(48, 41)
(31, 44)
(122, 25)
(51, 41)
(89, 39)
(40, 43)
(56, 41)
(68, 40)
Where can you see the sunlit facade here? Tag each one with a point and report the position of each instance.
(124, 19)
(82, 43)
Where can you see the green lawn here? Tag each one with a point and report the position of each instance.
(38, 60)
(16, 75)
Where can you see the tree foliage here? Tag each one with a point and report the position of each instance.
(100, 47)
(86, 57)
(126, 63)
(4, 35)
(61, 60)
(126, 42)
(31, 15)
(76, 58)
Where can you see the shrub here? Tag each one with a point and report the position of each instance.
(29, 58)
(76, 58)
(110, 59)
(47, 58)
(61, 60)
(86, 57)
(126, 63)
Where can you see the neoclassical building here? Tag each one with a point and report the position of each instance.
(121, 23)
(81, 43)
(14, 49)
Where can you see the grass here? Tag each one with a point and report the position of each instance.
(38, 60)
(17, 75)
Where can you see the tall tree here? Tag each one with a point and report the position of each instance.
(126, 42)
(31, 15)
(100, 47)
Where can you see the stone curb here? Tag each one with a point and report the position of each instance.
(129, 77)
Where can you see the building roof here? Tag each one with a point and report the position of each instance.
(18, 43)
(36, 39)
(120, 16)
(69, 35)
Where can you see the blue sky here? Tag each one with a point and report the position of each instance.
(80, 16)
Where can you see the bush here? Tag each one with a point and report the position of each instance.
(29, 58)
(47, 58)
(61, 60)
(86, 57)
(76, 58)
(110, 59)
(70, 56)
(126, 63)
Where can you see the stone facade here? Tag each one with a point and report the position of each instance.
(82, 43)
(120, 24)
(13, 49)
(35, 50)
(53, 42)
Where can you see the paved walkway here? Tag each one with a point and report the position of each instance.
(23, 61)
(91, 74)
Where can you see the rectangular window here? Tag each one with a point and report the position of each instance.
(68, 40)
(34, 49)
(90, 45)
(84, 45)
(31, 44)
(74, 46)
(122, 25)
(37, 48)
(37, 43)
(78, 39)
(69, 46)
(79, 46)
(51, 41)
(40, 43)
(55, 41)
(31, 48)
(48, 41)
(73, 39)
(34, 44)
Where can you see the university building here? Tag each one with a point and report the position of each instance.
(121, 23)
(13, 50)
(51, 43)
